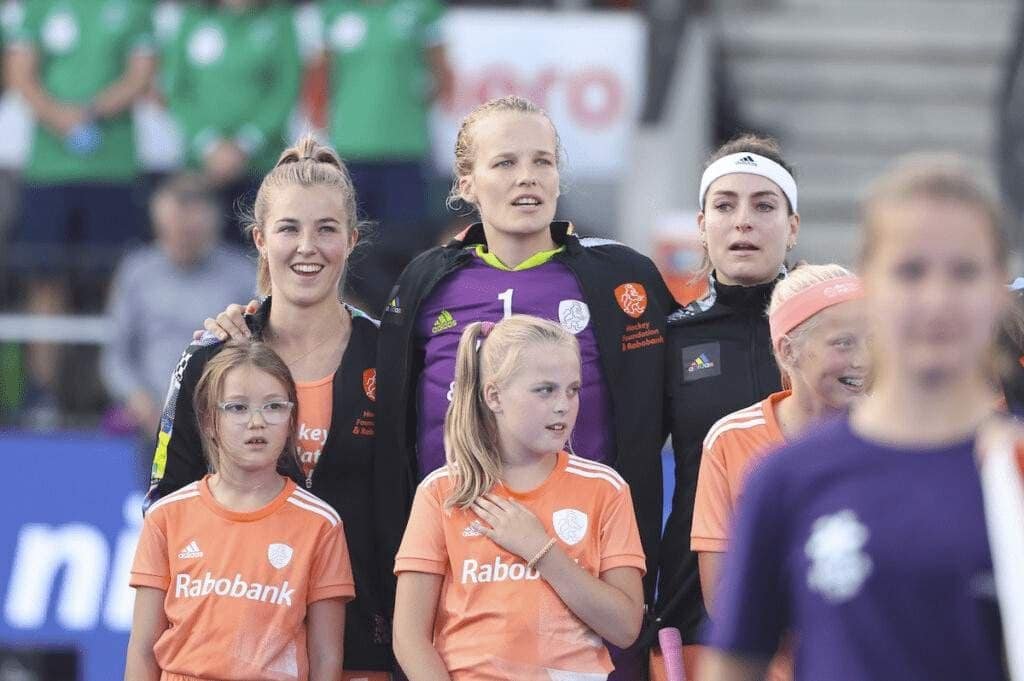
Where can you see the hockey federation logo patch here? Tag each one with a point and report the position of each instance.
(370, 383)
(570, 525)
(632, 298)
(279, 555)
(573, 315)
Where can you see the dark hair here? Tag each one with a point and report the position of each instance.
(747, 142)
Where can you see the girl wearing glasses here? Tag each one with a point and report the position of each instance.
(304, 227)
(243, 574)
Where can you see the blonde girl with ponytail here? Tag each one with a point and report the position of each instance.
(519, 558)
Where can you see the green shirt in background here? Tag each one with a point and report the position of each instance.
(380, 79)
(235, 76)
(83, 46)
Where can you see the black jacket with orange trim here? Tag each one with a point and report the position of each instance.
(631, 346)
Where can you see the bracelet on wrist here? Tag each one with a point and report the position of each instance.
(532, 563)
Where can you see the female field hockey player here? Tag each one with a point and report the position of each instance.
(519, 558)
(719, 353)
(304, 227)
(867, 537)
(242, 575)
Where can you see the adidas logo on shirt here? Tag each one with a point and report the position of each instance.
(474, 529)
(191, 551)
(701, 363)
(186, 587)
(445, 321)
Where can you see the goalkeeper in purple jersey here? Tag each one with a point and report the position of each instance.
(518, 260)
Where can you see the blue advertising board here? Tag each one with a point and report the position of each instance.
(69, 523)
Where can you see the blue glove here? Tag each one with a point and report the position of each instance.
(84, 139)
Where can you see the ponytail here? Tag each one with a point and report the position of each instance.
(470, 430)
(488, 354)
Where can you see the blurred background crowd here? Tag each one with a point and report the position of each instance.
(133, 134)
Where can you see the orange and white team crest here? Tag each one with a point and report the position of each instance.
(370, 384)
(632, 298)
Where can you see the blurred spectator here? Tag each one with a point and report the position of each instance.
(79, 64)
(159, 291)
(387, 63)
(231, 76)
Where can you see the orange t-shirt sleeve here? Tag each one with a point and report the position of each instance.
(152, 565)
(712, 508)
(423, 546)
(330, 576)
(620, 538)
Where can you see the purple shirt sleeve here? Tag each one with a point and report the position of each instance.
(752, 605)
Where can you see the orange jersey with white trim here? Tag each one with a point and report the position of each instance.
(496, 619)
(731, 447)
(238, 583)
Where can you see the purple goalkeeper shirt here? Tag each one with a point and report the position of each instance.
(875, 557)
(482, 291)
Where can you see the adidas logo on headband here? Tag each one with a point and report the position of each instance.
(753, 164)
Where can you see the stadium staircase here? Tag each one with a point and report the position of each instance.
(847, 84)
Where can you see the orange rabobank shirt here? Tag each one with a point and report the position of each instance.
(238, 583)
(731, 447)
(497, 620)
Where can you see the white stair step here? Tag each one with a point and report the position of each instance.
(864, 123)
(820, 36)
(799, 80)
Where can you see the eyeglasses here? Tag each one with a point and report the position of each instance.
(240, 413)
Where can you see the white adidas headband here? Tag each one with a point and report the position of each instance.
(752, 164)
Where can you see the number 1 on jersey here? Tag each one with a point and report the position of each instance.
(506, 297)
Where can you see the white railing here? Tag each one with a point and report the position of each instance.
(81, 329)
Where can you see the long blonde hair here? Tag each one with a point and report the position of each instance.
(488, 354)
(306, 164)
(800, 278)
(210, 389)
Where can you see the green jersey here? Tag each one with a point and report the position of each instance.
(83, 47)
(380, 79)
(234, 76)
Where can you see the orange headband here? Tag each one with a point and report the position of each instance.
(809, 302)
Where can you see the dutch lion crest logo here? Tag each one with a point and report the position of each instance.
(632, 298)
(279, 555)
(370, 384)
(574, 315)
(570, 525)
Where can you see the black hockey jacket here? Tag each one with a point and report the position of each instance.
(719, 360)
